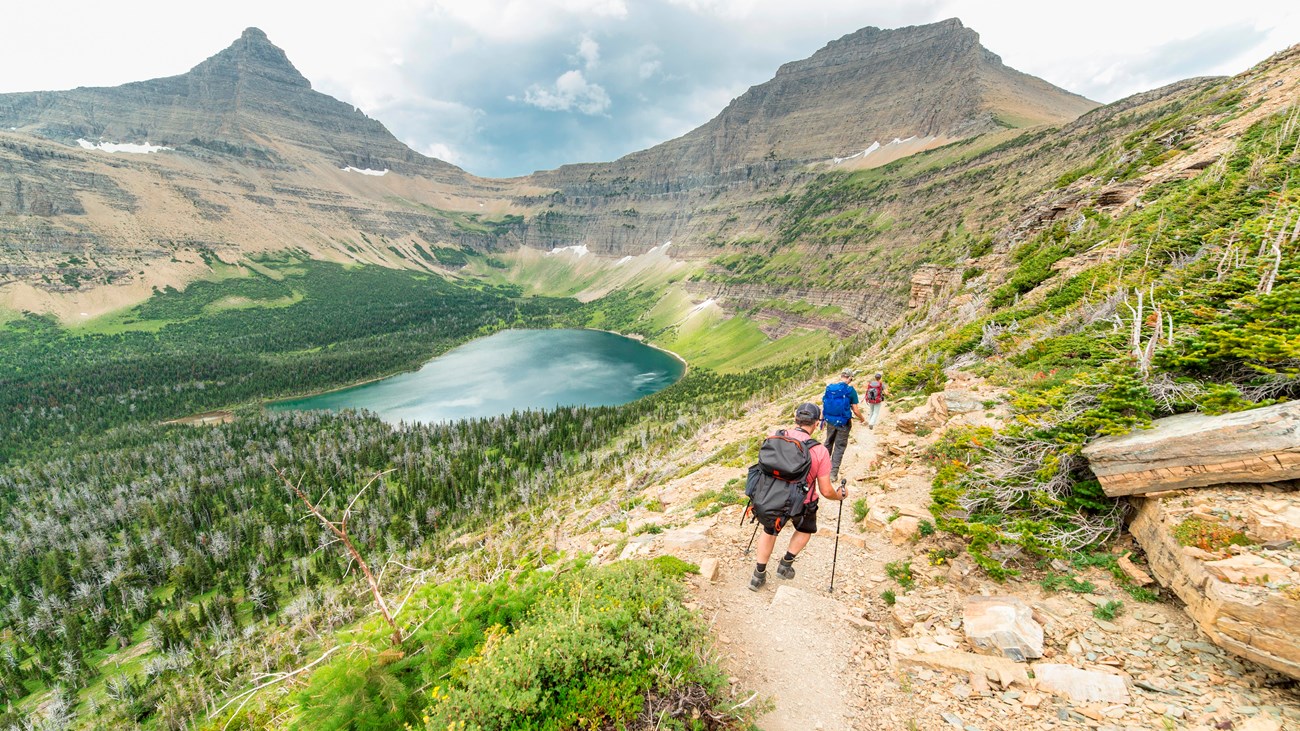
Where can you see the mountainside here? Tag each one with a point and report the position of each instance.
(247, 102)
(258, 161)
(107, 194)
(931, 84)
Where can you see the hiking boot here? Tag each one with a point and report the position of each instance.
(757, 580)
(785, 569)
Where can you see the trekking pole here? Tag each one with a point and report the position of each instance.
(836, 556)
(743, 513)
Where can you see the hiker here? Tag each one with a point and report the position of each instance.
(806, 419)
(875, 396)
(839, 407)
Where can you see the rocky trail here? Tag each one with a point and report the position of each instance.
(849, 659)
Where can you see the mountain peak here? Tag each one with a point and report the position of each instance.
(253, 54)
(920, 86)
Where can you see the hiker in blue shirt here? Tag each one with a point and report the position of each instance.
(839, 407)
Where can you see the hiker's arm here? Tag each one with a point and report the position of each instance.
(857, 410)
(828, 492)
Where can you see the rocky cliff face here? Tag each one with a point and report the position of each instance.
(246, 102)
(932, 81)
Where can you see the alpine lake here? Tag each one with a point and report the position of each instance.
(510, 371)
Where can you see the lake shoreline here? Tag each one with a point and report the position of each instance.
(612, 393)
(686, 366)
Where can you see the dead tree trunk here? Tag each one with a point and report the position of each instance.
(339, 529)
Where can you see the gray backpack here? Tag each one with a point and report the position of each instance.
(777, 485)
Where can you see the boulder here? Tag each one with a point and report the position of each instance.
(1003, 625)
(1080, 686)
(1139, 577)
(908, 423)
(937, 408)
(961, 402)
(1251, 620)
(878, 517)
(638, 546)
(1194, 450)
(902, 529)
(1273, 520)
(709, 569)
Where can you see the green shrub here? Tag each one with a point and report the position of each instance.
(889, 596)
(596, 648)
(1207, 536)
(711, 501)
(901, 572)
(1060, 582)
(1108, 611)
(860, 509)
(928, 379)
(673, 566)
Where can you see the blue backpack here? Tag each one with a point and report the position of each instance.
(836, 404)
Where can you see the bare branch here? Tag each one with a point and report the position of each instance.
(339, 529)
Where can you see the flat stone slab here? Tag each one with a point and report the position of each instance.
(997, 669)
(1080, 686)
(684, 540)
(1195, 450)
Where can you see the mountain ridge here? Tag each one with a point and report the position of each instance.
(948, 83)
(246, 101)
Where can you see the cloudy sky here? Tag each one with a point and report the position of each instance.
(505, 87)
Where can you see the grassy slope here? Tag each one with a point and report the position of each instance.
(1057, 328)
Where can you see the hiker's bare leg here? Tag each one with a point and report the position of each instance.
(765, 544)
(797, 542)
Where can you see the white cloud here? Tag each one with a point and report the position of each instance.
(525, 19)
(589, 52)
(443, 152)
(571, 91)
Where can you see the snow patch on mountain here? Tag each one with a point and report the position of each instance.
(120, 146)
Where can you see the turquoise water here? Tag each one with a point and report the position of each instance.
(508, 371)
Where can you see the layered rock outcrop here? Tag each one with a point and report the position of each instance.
(1227, 549)
(1194, 450)
(1245, 598)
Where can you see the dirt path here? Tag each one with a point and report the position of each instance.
(849, 659)
(806, 649)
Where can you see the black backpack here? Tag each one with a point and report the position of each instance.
(777, 486)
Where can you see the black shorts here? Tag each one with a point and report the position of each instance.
(806, 523)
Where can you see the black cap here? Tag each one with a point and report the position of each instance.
(807, 412)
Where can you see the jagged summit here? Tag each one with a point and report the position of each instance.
(933, 82)
(253, 54)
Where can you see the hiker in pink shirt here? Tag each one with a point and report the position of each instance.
(807, 419)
